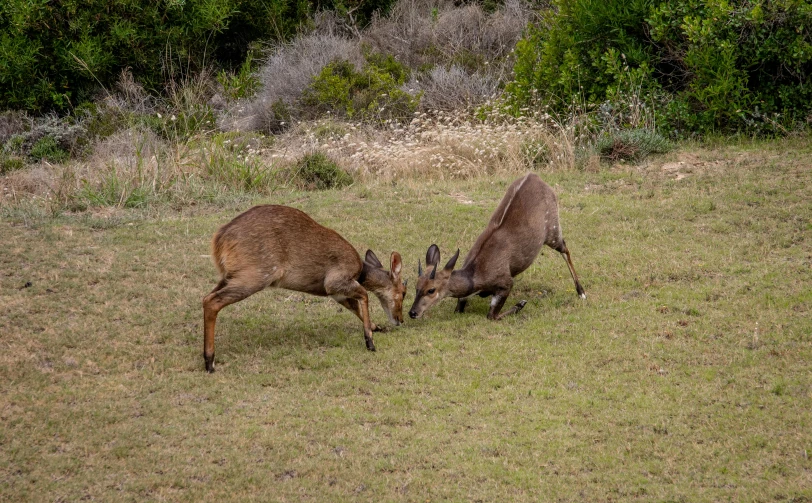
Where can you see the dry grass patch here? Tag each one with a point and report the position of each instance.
(440, 145)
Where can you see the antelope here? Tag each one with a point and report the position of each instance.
(525, 220)
(282, 247)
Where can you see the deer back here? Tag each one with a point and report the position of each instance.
(525, 219)
(268, 237)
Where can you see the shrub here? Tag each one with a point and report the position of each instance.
(370, 94)
(9, 163)
(13, 123)
(728, 66)
(54, 55)
(316, 171)
(230, 160)
(460, 54)
(427, 33)
(631, 145)
(47, 148)
(241, 84)
(453, 88)
(289, 69)
(49, 137)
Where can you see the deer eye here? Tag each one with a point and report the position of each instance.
(431, 291)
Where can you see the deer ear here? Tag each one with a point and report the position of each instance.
(433, 272)
(395, 264)
(433, 255)
(371, 259)
(452, 261)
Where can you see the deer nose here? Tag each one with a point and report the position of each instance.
(412, 314)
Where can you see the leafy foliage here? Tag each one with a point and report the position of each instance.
(55, 55)
(9, 163)
(728, 66)
(47, 148)
(316, 171)
(371, 93)
(242, 83)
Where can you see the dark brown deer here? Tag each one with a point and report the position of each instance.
(282, 247)
(525, 220)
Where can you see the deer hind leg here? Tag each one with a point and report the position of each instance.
(562, 248)
(353, 291)
(228, 291)
(353, 306)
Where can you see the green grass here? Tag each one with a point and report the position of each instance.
(685, 376)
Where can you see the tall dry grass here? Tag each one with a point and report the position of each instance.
(438, 145)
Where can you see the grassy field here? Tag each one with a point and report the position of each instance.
(685, 375)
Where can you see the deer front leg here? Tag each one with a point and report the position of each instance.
(498, 301)
(513, 310)
(352, 290)
(461, 303)
(354, 308)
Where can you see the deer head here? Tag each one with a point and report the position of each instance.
(386, 285)
(432, 284)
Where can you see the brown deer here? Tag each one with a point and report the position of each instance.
(282, 247)
(525, 220)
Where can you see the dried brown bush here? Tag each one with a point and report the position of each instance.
(430, 32)
(129, 96)
(287, 72)
(13, 122)
(452, 88)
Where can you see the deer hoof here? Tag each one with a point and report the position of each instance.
(209, 364)
(521, 305)
(582, 295)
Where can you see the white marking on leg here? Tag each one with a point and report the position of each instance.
(583, 296)
(495, 300)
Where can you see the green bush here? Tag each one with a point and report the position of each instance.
(47, 148)
(726, 66)
(54, 55)
(316, 171)
(370, 94)
(228, 160)
(241, 84)
(9, 163)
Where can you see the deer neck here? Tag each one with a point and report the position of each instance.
(461, 284)
(372, 278)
